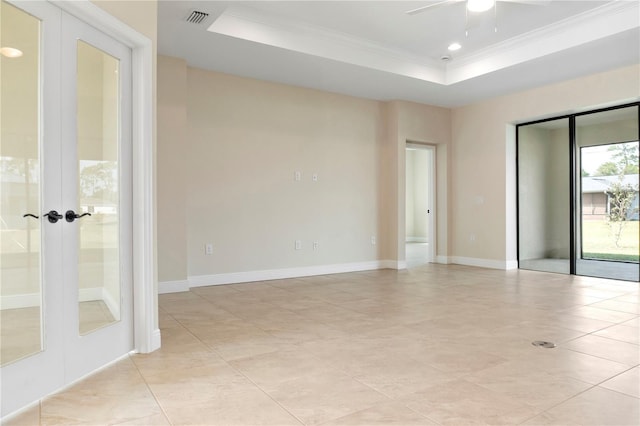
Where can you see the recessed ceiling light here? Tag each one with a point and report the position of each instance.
(10, 52)
(454, 46)
(479, 5)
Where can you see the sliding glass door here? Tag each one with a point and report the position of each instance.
(578, 194)
(544, 194)
(607, 241)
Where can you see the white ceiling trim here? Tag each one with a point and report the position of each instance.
(273, 30)
(595, 24)
(259, 27)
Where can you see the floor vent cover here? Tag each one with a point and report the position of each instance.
(543, 344)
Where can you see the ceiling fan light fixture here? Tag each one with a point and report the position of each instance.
(480, 5)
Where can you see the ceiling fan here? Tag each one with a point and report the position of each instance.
(474, 5)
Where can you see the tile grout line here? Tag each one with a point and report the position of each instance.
(295, 344)
(144, 379)
(333, 303)
(586, 390)
(260, 388)
(561, 402)
(236, 370)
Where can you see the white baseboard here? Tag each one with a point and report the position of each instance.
(483, 263)
(100, 293)
(275, 274)
(416, 240)
(156, 340)
(90, 294)
(112, 304)
(308, 271)
(173, 286)
(392, 264)
(18, 301)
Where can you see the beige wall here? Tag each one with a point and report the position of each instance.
(172, 167)
(426, 124)
(141, 15)
(483, 154)
(244, 140)
(235, 164)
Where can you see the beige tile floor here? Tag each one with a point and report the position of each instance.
(438, 344)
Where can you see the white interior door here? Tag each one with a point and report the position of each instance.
(96, 182)
(31, 300)
(66, 288)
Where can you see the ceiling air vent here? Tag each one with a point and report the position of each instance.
(197, 17)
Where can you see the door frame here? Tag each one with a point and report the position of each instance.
(146, 335)
(145, 329)
(431, 256)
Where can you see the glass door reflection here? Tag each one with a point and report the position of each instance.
(544, 196)
(21, 327)
(98, 195)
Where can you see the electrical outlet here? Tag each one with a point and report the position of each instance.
(298, 245)
(208, 248)
(373, 240)
(314, 177)
(316, 245)
(297, 176)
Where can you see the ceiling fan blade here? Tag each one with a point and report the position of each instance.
(423, 8)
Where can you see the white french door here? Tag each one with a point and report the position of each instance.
(66, 289)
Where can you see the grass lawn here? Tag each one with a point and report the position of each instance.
(598, 241)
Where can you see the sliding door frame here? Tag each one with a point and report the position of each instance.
(574, 173)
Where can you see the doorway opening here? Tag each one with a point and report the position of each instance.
(419, 204)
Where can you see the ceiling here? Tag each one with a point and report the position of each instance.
(374, 49)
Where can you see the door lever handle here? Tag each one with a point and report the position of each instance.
(31, 215)
(70, 215)
(53, 216)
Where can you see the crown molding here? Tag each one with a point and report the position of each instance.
(250, 24)
(604, 21)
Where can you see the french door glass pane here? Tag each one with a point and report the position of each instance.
(608, 243)
(98, 130)
(544, 196)
(20, 240)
